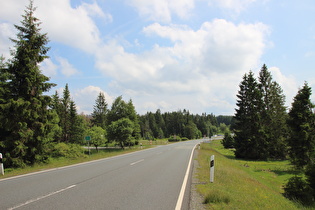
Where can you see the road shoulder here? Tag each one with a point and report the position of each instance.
(196, 200)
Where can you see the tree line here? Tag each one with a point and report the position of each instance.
(182, 124)
(264, 130)
(35, 127)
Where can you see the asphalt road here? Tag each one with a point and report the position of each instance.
(149, 179)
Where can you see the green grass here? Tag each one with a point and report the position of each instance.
(241, 184)
(94, 155)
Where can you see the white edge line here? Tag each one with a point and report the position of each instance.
(182, 191)
(41, 197)
(136, 162)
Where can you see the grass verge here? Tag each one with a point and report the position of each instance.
(60, 162)
(241, 184)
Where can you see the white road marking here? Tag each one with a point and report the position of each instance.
(41, 197)
(136, 162)
(182, 191)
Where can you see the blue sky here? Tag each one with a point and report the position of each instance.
(170, 54)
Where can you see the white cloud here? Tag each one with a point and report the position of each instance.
(206, 64)
(49, 68)
(6, 31)
(66, 68)
(70, 26)
(86, 98)
(288, 84)
(162, 10)
(234, 5)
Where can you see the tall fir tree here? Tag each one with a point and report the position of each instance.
(100, 111)
(301, 124)
(65, 118)
(301, 144)
(273, 115)
(249, 142)
(27, 121)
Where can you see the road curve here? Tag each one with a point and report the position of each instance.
(149, 179)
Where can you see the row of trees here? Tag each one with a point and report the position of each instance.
(182, 124)
(264, 130)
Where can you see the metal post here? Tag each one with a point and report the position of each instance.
(211, 168)
(1, 165)
(89, 146)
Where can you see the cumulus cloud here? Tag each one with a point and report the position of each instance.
(66, 68)
(198, 62)
(49, 68)
(85, 98)
(6, 31)
(70, 26)
(289, 84)
(162, 10)
(233, 5)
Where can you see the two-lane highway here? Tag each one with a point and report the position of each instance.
(149, 179)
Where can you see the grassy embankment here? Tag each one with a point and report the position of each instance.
(94, 155)
(241, 184)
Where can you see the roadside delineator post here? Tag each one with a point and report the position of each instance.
(1, 165)
(211, 168)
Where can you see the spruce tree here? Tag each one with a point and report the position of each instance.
(301, 124)
(28, 122)
(65, 119)
(273, 115)
(100, 111)
(301, 144)
(248, 134)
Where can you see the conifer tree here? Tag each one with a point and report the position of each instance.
(301, 124)
(301, 144)
(100, 111)
(248, 134)
(273, 115)
(65, 118)
(27, 121)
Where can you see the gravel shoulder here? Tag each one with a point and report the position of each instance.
(196, 200)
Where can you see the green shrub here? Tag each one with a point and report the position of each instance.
(298, 190)
(228, 141)
(172, 139)
(184, 139)
(67, 150)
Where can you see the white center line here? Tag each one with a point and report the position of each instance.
(41, 197)
(136, 162)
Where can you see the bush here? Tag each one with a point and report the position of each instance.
(67, 150)
(172, 139)
(184, 139)
(228, 141)
(298, 190)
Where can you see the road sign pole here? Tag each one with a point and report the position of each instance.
(88, 139)
(211, 168)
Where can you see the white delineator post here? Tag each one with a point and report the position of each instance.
(211, 168)
(1, 165)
